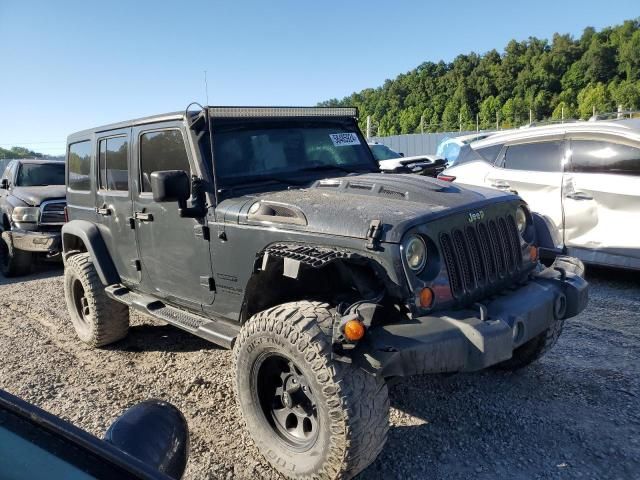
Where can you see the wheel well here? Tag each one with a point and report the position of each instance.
(72, 243)
(343, 280)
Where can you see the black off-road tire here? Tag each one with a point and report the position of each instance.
(352, 405)
(13, 262)
(97, 319)
(534, 349)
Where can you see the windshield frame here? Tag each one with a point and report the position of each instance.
(21, 166)
(291, 177)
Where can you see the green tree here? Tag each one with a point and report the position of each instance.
(594, 96)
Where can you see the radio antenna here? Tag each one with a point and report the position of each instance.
(206, 88)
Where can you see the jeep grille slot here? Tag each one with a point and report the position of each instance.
(480, 257)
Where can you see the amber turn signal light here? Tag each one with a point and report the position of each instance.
(426, 297)
(353, 330)
(533, 253)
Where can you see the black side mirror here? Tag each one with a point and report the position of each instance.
(4, 184)
(401, 154)
(154, 432)
(170, 186)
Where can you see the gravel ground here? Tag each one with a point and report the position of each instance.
(575, 414)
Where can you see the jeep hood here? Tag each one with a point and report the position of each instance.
(34, 196)
(345, 206)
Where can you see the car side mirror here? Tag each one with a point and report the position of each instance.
(4, 184)
(170, 186)
(154, 432)
(401, 154)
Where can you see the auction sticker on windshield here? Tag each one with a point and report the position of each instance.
(344, 139)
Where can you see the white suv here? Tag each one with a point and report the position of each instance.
(584, 177)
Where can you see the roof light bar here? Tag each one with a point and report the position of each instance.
(247, 112)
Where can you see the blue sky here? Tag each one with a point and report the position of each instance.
(68, 65)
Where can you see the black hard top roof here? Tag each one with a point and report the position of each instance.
(225, 112)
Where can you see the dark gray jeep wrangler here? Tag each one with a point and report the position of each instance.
(271, 231)
(31, 213)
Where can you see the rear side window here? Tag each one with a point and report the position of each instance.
(80, 166)
(113, 163)
(536, 157)
(164, 150)
(597, 156)
(490, 153)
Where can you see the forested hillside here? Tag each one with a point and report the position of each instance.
(600, 69)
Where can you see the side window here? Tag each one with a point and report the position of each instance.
(163, 150)
(113, 164)
(536, 157)
(598, 156)
(8, 172)
(490, 153)
(80, 165)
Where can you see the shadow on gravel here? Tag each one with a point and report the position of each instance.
(161, 338)
(41, 270)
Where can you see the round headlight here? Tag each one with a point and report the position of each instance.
(415, 252)
(521, 220)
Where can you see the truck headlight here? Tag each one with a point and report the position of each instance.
(25, 214)
(415, 252)
(521, 220)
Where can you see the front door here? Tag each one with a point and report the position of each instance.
(174, 253)
(602, 200)
(114, 206)
(533, 171)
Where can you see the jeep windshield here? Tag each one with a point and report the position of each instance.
(40, 174)
(288, 151)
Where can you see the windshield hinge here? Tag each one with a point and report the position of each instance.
(374, 233)
(202, 231)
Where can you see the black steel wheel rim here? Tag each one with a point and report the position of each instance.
(80, 300)
(286, 399)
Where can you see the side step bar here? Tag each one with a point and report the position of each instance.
(219, 332)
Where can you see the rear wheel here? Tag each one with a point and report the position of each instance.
(97, 319)
(13, 262)
(310, 416)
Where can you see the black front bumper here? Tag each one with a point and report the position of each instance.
(469, 340)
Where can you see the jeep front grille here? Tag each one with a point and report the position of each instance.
(481, 256)
(52, 213)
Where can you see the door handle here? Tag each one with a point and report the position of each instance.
(103, 211)
(143, 217)
(579, 196)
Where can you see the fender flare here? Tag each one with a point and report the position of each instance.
(548, 236)
(86, 233)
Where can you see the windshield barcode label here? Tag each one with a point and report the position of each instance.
(344, 139)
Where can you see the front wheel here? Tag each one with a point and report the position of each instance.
(534, 349)
(13, 262)
(310, 416)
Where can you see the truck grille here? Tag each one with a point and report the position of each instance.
(481, 256)
(52, 213)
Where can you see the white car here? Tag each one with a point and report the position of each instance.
(391, 161)
(584, 177)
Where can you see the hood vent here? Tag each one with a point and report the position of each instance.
(393, 193)
(275, 212)
(360, 186)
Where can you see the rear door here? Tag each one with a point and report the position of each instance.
(114, 206)
(174, 253)
(533, 170)
(602, 200)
